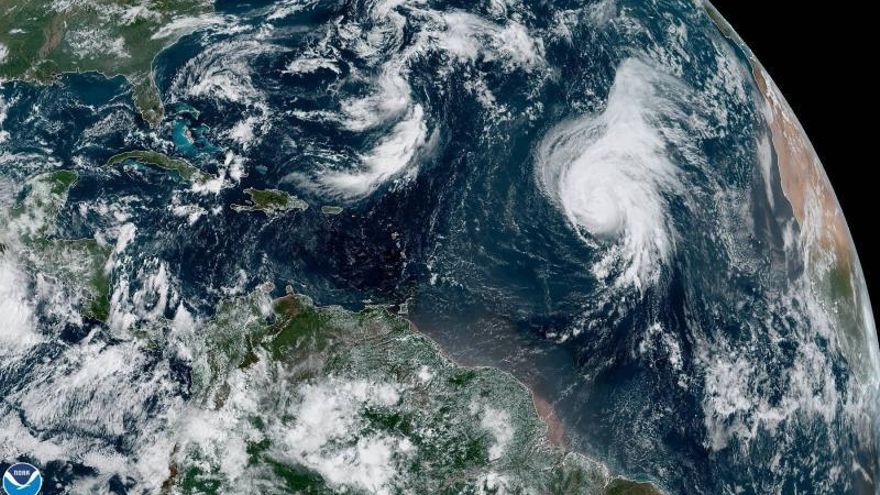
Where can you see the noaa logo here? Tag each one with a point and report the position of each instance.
(22, 479)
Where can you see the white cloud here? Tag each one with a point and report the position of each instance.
(609, 174)
(328, 435)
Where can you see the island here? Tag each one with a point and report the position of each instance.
(331, 210)
(41, 39)
(270, 201)
(182, 168)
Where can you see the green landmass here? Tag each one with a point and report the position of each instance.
(270, 202)
(838, 284)
(77, 265)
(182, 168)
(447, 429)
(331, 210)
(45, 38)
(45, 195)
(621, 486)
(307, 395)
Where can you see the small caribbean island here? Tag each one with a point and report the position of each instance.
(331, 210)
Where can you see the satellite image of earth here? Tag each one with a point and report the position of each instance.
(418, 247)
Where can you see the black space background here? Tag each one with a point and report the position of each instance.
(820, 56)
